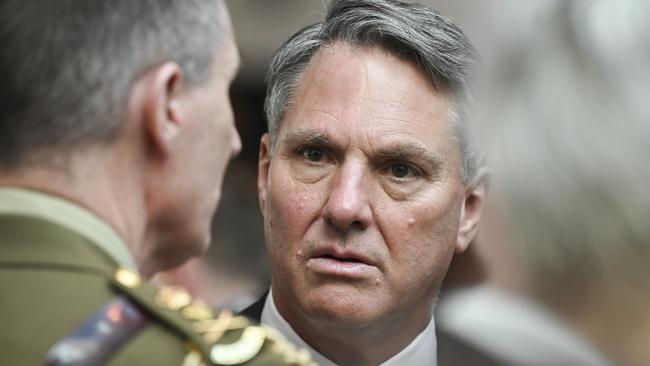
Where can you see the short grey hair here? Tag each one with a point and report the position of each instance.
(410, 31)
(567, 137)
(67, 67)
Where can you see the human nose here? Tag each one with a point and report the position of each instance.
(348, 203)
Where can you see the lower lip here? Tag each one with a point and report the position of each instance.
(333, 267)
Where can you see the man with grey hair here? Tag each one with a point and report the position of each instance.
(115, 131)
(567, 130)
(366, 182)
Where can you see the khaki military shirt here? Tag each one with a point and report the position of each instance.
(71, 295)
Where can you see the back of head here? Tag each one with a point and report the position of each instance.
(567, 131)
(67, 67)
(410, 31)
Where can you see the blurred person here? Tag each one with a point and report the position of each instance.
(566, 129)
(115, 131)
(507, 325)
(366, 183)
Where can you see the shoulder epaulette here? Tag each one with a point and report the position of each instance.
(213, 337)
(101, 335)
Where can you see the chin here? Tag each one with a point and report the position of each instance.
(343, 309)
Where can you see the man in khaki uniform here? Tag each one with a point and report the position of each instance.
(115, 131)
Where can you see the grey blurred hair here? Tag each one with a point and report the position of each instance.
(410, 31)
(67, 67)
(568, 141)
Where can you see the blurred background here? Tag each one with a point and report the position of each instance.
(235, 270)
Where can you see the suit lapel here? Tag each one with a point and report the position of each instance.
(255, 311)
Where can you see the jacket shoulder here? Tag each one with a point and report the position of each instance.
(151, 314)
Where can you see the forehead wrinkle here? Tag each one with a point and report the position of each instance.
(325, 75)
(326, 114)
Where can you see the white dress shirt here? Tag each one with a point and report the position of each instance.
(420, 352)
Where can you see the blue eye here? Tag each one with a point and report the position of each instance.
(313, 154)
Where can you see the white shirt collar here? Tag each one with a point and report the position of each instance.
(421, 351)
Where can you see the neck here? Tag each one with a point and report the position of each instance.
(104, 191)
(371, 344)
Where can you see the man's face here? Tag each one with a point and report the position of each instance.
(205, 150)
(361, 192)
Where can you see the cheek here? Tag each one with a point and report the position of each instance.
(421, 236)
(291, 206)
(221, 136)
(220, 117)
(210, 142)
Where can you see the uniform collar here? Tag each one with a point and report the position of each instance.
(421, 351)
(16, 201)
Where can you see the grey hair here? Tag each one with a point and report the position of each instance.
(67, 67)
(568, 141)
(410, 31)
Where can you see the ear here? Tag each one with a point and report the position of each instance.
(160, 89)
(263, 166)
(472, 209)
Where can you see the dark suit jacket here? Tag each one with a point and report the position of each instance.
(254, 311)
(452, 351)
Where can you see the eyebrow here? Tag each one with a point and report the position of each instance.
(411, 152)
(307, 137)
